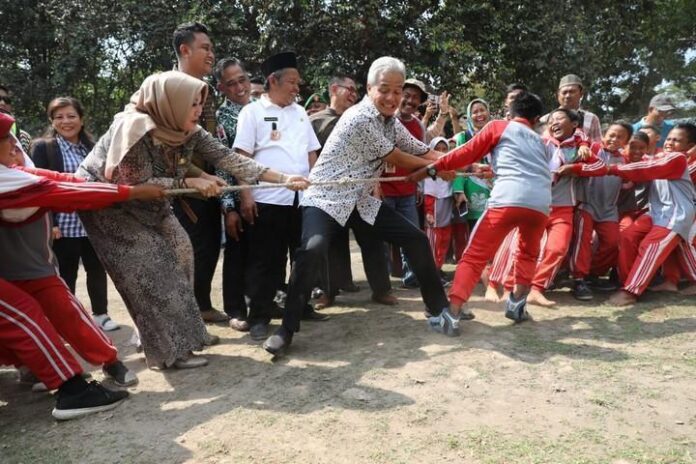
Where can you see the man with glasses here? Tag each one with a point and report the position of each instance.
(343, 94)
(6, 107)
(234, 83)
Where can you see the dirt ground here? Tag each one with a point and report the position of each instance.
(584, 383)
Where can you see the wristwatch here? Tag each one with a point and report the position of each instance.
(432, 172)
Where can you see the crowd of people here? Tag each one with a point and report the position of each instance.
(519, 202)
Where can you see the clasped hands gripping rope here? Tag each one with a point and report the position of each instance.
(344, 181)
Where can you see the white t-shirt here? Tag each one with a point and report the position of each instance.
(288, 153)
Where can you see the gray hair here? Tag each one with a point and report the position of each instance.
(384, 65)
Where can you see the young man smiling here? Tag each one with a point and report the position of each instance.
(200, 217)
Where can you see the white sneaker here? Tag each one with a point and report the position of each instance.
(105, 323)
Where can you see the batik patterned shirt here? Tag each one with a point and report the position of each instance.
(227, 116)
(356, 149)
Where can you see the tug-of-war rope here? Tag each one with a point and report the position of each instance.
(344, 181)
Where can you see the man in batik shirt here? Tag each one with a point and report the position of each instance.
(232, 82)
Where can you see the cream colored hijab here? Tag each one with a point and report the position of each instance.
(160, 107)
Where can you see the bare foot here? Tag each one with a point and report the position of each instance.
(622, 298)
(505, 295)
(538, 298)
(689, 291)
(665, 286)
(491, 295)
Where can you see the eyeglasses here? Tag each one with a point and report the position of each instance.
(6, 99)
(349, 89)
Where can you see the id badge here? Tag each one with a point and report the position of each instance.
(275, 133)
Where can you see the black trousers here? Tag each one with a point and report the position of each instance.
(206, 237)
(233, 267)
(69, 251)
(318, 228)
(276, 231)
(338, 273)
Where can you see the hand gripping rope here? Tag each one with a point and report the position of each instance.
(344, 181)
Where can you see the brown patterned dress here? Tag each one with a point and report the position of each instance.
(143, 247)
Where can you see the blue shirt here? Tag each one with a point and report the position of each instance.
(664, 129)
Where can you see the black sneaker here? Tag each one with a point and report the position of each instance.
(119, 374)
(581, 291)
(95, 398)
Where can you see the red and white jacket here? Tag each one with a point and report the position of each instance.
(672, 195)
(25, 234)
(601, 194)
(518, 160)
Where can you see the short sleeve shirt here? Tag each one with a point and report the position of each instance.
(356, 149)
(323, 123)
(287, 151)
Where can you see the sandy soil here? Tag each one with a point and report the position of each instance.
(584, 383)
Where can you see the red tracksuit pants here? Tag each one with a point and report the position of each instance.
(559, 232)
(682, 261)
(626, 219)
(27, 338)
(582, 261)
(642, 250)
(489, 233)
(501, 267)
(460, 238)
(70, 319)
(440, 239)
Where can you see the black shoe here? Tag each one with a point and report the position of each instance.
(581, 291)
(95, 398)
(258, 330)
(314, 316)
(351, 288)
(603, 285)
(277, 343)
(119, 374)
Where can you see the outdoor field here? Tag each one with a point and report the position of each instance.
(585, 383)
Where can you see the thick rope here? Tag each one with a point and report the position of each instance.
(345, 181)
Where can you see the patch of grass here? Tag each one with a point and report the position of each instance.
(586, 446)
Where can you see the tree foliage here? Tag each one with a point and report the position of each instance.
(99, 51)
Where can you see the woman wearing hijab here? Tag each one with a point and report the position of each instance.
(142, 245)
(475, 191)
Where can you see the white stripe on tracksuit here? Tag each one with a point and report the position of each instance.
(85, 316)
(576, 248)
(42, 341)
(647, 266)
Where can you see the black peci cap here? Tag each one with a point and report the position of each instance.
(278, 62)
